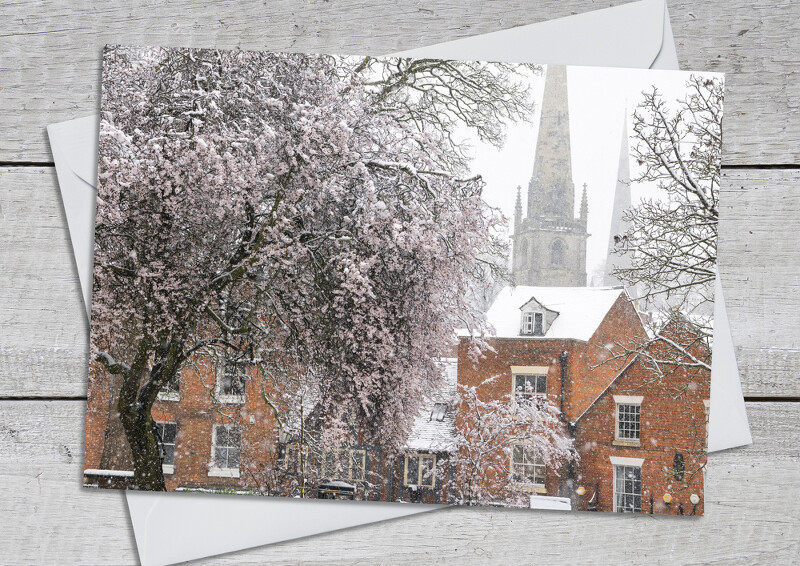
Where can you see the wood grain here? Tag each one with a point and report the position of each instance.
(44, 350)
(749, 515)
(50, 51)
(49, 71)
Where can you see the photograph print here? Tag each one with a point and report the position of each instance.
(403, 280)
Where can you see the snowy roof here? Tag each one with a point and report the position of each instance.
(429, 433)
(580, 310)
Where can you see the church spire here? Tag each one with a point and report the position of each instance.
(551, 191)
(622, 202)
(550, 243)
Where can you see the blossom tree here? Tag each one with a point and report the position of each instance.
(281, 210)
(503, 445)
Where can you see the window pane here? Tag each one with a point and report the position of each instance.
(541, 384)
(629, 421)
(233, 378)
(220, 457)
(628, 486)
(527, 323)
(169, 454)
(233, 457)
(222, 436)
(169, 433)
(537, 325)
(174, 384)
(428, 472)
(234, 436)
(678, 466)
(412, 470)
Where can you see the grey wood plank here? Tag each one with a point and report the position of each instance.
(44, 344)
(50, 51)
(44, 340)
(759, 262)
(48, 519)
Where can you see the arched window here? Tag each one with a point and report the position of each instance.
(557, 252)
(523, 250)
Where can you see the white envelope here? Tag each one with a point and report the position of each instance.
(172, 527)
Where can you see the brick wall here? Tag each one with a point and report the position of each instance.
(673, 421)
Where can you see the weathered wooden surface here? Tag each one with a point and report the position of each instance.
(750, 514)
(49, 62)
(49, 51)
(45, 327)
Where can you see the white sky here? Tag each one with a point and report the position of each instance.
(598, 99)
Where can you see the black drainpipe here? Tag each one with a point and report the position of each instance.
(571, 472)
(563, 360)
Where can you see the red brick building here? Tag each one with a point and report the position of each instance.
(219, 435)
(638, 439)
(637, 436)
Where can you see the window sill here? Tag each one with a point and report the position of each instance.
(537, 488)
(168, 469)
(223, 473)
(171, 396)
(628, 443)
(231, 399)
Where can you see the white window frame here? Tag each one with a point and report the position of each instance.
(419, 456)
(635, 400)
(213, 470)
(528, 327)
(618, 462)
(164, 395)
(438, 412)
(707, 405)
(350, 453)
(170, 468)
(226, 398)
(537, 371)
(537, 487)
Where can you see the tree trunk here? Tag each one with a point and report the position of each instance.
(148, 474)
(139, 431)
(135, 407)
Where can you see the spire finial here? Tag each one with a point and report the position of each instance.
(584, 205)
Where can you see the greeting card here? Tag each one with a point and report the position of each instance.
(392, 279)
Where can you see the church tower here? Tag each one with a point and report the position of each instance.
(550, 243)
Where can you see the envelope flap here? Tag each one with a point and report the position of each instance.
(630, 35)
(75, 139)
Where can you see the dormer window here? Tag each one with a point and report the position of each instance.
(438, 412)
(533, 323)
(536, 318)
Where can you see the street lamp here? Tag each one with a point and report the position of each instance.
(694, 499)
